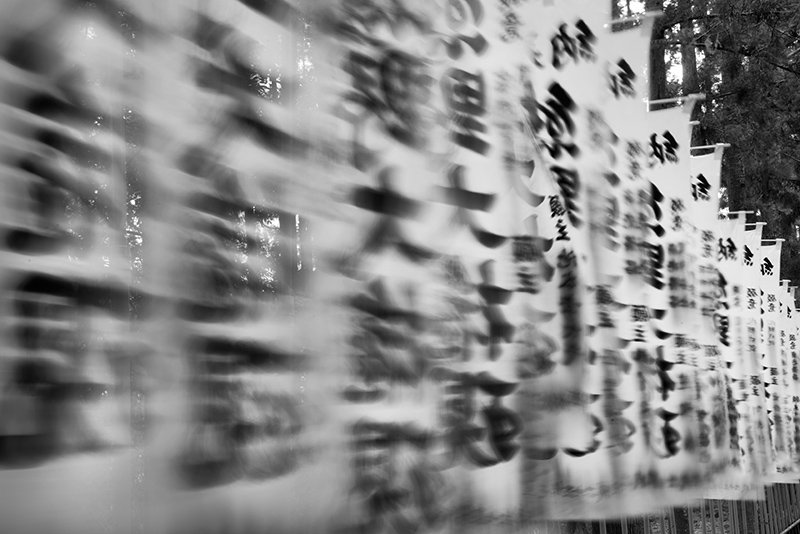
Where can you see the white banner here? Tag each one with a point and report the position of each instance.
(705, 180)
(568, 80)
(794, 365)
(771, 357)
(684, 414)
(646, 382)
(784, 376)
(740, 480)
(764, 458)
(627, 60)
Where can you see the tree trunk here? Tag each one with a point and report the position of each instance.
(658, 67)
(690, 83)
(729, 68)
(306, 257)
(288, 251)
(616, 11)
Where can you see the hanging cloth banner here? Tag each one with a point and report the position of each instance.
(705, 180)
(763, 456)
(565, 40)
(468, 248)
(740, 481)
(785, 379)
(571, 131)
(626, 57)
(630, 228)
(534, 267)
(668, 162)
(709, 250)
(771, 358)
(245, 391)
(424, 334)
(627, 60)
(729, 250)
(794, 356)
(684, 418)
(628, 84)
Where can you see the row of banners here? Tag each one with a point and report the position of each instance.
(470, 278)
(549, 318)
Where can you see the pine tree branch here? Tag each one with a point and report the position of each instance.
(677, 42)
(720, 96)
(711, 16)
(790, 157)
(746, 54)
